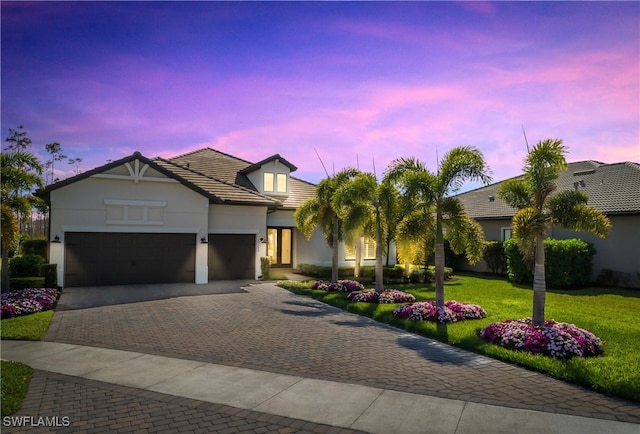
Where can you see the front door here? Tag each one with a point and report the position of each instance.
(279, 246)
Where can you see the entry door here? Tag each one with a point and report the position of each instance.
(279, 242)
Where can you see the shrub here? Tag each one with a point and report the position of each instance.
(453, 311)
(518, 271)
(34, 247)
(423, 275)
(568, 263)
(494, 257)
(556, 339)
(50, 274)
(20, 283)
(27, 265)
(265, 266)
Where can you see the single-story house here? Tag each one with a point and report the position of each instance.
(200, 216)
(614, 189)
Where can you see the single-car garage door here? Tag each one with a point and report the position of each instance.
(232, 256)
(95, 259)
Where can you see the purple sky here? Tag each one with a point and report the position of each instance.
(355, 81)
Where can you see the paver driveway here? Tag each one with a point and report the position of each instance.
(271, 329)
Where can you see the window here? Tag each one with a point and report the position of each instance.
(268, 181)
(281, 185)
(368, 250)
(505, 234)
(275, 182)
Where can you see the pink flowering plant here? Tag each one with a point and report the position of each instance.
(341, 285)
(556, 339)
(453, 311)
(387, 296)
(26, 301)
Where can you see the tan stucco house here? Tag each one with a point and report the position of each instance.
(201, 216)
(613, 189)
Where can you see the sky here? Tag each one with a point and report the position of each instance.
(323, 83)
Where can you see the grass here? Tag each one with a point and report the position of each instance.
(30, 327)
(15, 377)
(610, 313)
(15, 383)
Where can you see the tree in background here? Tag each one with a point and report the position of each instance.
(431, 193)
(55, 149)
(321, 212)
(21, 173)
(538, 208)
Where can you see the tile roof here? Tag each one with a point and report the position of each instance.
(232, 170)
(213, 174)
(612, 189)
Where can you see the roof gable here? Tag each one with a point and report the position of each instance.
(274, 158)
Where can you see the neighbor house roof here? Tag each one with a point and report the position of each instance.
(612, 189)
(215, 175)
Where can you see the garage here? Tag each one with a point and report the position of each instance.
(232, 256)
(96, 259)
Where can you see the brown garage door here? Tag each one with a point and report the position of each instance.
(232, 256)
(94, 259)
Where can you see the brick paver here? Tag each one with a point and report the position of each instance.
(64, 404)
(271, 329)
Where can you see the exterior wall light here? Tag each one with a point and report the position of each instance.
(56, 239)
(203, 240)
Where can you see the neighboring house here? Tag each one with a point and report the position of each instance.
(201, 216)
(614, 189)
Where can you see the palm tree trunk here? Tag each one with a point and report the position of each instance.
(539, 283)
(439, 261)
(379, 241)
(356, 268)
(334, 251)
(5, 271)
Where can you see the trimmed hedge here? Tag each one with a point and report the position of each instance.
(568, 263)
(265, 267)
(366, 272)
(34, 247)
(20, 283)
(26, 265)
(494, 257)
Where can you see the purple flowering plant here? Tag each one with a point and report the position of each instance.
(386, 296)
(341, 285)
(26, 301)
(556, 339)
(453, 311)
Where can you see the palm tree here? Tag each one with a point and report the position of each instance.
(538, 208)
(366, 205)
(320, 212)
(433, 195)
(20, 172)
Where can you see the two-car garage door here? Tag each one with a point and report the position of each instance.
(94, 259)
(100, 258)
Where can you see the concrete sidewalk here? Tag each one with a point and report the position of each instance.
(332, 403)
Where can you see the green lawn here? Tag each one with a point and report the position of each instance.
(610, 313)
(15, 377)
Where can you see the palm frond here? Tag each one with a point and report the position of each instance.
(526, 225)
(516, 193)
(463, 163)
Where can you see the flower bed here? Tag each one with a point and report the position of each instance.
(555, 339)
(387, 296)
(453, 311)
(27, 301)
(342, 285)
